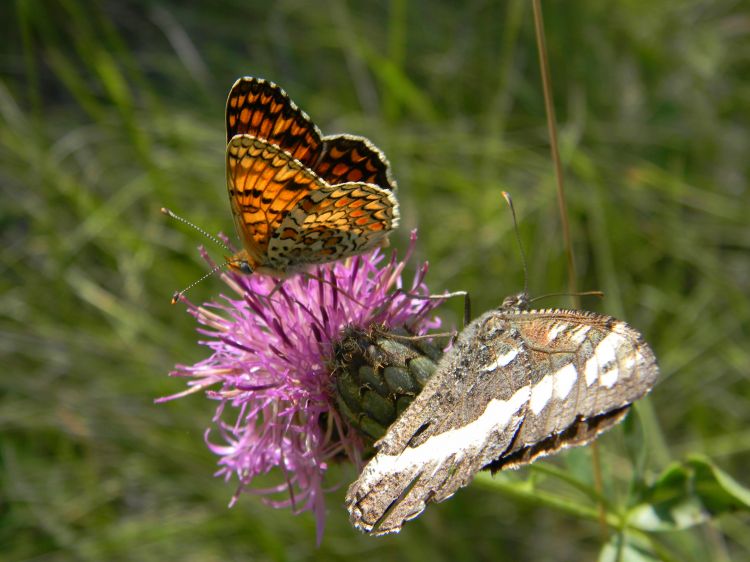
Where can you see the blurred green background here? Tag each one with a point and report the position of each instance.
(110, 110)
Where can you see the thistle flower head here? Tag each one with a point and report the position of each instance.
(270, 369)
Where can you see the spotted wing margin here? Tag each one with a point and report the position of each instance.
(265, 183)
(334, 222)
(513, 380)
(349, 158)
(261, 109)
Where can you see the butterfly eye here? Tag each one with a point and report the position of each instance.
(244, 267)
(519, 301)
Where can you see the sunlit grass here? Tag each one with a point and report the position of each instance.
(108, 113)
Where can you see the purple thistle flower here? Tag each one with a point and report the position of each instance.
(271, 361)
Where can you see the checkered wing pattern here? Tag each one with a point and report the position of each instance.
(332, 223)
(347, 158)
(261, 109)
(299, 198)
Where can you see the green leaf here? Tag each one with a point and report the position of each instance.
(688, 494)
(718, 490)
(627, 548)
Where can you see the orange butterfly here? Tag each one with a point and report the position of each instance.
(299, 198)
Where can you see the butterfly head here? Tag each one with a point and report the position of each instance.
(240, 262)
(519, 301)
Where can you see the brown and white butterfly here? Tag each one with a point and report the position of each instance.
(518, 384)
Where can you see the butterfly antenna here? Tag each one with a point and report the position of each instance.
(208, 235)
(598, 294)
(179, 294)
(509, 201)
